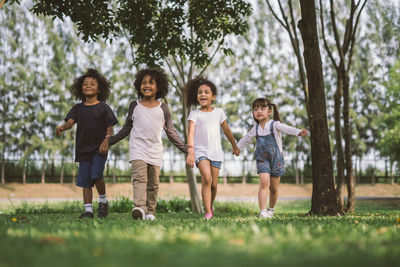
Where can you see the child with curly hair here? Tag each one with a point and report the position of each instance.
(204, 137)
(144, 123)
(268, 154)
(95, 121)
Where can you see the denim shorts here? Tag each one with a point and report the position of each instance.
(216, 164)
(90, 170)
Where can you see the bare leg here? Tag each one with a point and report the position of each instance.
(206, 181)
(273, 191)
(263, 190)
(214, 184)
(87, 195)
(100, 185)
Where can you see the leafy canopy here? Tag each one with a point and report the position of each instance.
(157, 29)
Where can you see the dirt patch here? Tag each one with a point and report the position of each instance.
(54, 191)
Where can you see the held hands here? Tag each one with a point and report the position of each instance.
(235, 151)
(190, 158)
(303, 132)
(104, 146)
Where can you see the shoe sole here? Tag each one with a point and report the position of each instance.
(137, 214)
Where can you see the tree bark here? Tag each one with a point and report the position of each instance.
(43, 180)
(323, 201)
(195, 200)
(3, 170)
(114, 170)
(339, 146)
(23, 172)
(348, 150)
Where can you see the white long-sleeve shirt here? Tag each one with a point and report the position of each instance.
(278, 129)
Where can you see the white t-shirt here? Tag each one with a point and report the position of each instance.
(207, 134)
(278, 129)
(145, 138)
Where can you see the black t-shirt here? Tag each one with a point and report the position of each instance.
(92, 123)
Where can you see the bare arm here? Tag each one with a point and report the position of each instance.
(104, 145)
(190, 158)
(67, 125)
(229, 135)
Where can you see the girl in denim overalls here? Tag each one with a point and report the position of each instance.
(269, 157)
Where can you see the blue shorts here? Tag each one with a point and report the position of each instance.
(216, 164)
(90, 170)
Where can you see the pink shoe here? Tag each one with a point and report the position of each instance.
(208, 216)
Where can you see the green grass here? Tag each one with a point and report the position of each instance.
(51, 235)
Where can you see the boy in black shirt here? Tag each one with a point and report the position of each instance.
(95, 121)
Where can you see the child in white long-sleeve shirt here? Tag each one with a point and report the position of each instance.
(268, 153)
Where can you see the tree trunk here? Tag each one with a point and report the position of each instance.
(391, 173)
(114, 171)
(23, 172)
(171, 172)
(323, 201)
(244, 170)
(297, 165)
(43, 171)
(339, 147)
(73, 174)
(62, 174)
(359, 170)
(195, 200)
(347, 138)
(3, 171)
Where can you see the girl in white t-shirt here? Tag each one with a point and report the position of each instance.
(204, 138)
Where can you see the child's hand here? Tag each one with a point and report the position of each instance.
(303, 132)
(236, 151)
(104, 146)
(190, 160)
(59, 129)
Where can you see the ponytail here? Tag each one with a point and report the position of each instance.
(276, 113)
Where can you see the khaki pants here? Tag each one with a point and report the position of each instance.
(145, 180)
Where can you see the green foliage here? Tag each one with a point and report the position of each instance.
(389, 142)
(235, 237)
(157, 29)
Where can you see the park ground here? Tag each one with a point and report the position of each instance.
(49, 233)
(180, 190)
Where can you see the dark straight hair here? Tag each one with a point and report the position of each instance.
(264, 102)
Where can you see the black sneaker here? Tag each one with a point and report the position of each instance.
(103, 210)
(86, 214)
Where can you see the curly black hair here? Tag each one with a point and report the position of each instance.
(266, 103)
(103, 85)
(193, 85)
(160, 78)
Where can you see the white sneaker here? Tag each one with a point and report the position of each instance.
(138, 213)
(264, 214)
(150, 217)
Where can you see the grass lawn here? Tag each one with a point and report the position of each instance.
(51, 235)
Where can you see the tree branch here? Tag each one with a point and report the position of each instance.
(175, 78)
(353, 35)
(208, 63)
(321, 15)
(336, 33)
(275, 15)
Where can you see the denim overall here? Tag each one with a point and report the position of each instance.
(268, 156)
